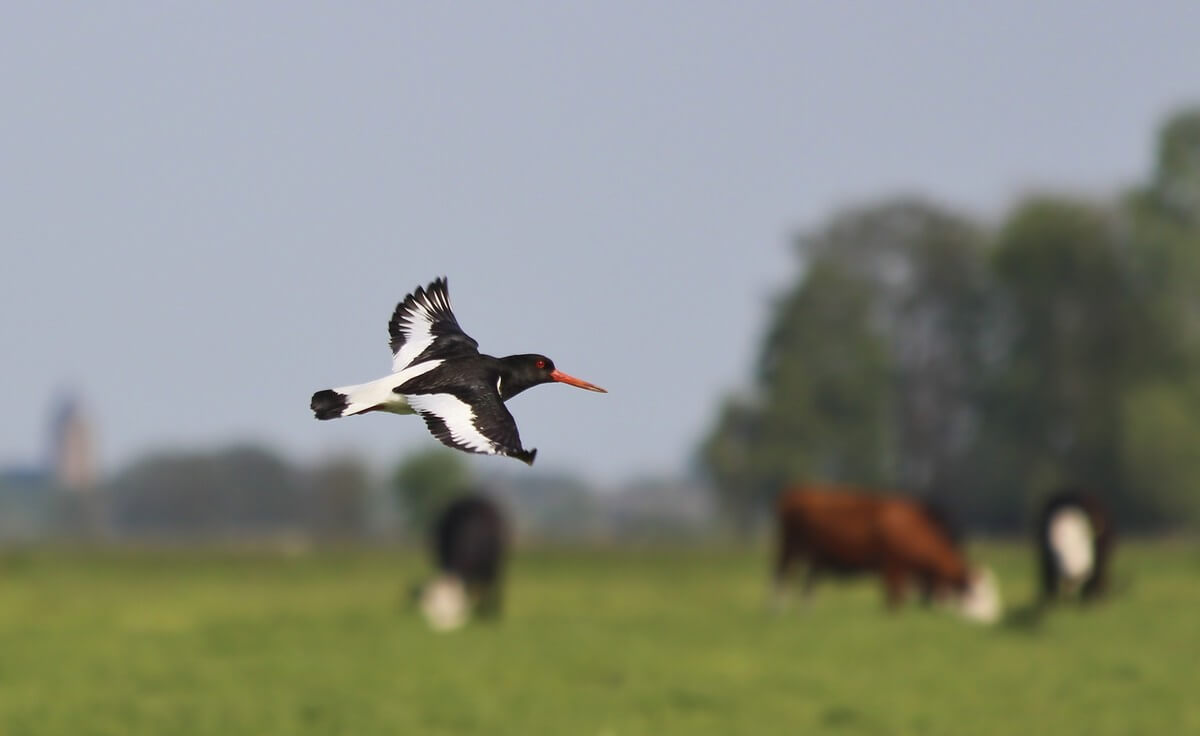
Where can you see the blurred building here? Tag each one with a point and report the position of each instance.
(31, 493)
(72, 458)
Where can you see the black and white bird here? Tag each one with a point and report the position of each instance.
(439, 373)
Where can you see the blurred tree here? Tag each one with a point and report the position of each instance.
(244, 489)
(1162, 434)
(824, 377)
(426, 481)
(819, 406)
(545, 505)
(930, 296)
(1176, 184)
(260, 489)
(868, 368)
(729, 457)
(1163, 229)
(1052, 404)
(337, 498)
(985, 369)
(1162, 412)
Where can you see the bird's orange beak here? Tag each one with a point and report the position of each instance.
(561, 377)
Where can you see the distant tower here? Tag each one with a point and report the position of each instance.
(72, 449)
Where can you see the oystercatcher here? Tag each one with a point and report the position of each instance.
(439, 373)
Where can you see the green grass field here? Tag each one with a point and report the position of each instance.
(612, 641)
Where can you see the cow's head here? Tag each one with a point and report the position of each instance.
(981, 599)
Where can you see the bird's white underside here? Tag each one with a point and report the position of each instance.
(380, 395)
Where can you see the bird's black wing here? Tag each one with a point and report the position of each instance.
(423, 327)
(472, 419)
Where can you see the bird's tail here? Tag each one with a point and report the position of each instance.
(332, 403)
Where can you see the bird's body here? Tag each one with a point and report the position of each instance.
(439, 373)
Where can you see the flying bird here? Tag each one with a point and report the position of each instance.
(439, 373)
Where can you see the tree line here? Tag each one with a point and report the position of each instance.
(249, 491)
(985, 365)
(239, 491)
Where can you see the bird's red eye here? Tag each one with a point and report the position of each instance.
(541, 364)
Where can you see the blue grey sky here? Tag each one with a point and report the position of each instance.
(209, 210)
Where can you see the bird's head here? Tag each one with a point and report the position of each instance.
(525, 371)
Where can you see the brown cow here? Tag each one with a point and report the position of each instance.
(843, 529)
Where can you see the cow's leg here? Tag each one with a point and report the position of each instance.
(894, 579)
(927, 585)
(491, 599)
(784, 559)
(1048, 573)
(1097, 583)
(810, 581)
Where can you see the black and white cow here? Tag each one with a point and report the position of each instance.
(1074, 537)
(469, 545)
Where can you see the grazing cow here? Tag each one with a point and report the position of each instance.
(469, 542)
(1074, 538)
(844, 530)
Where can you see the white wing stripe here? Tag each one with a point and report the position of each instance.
(416, 324)
(412, 372)
(458, 417)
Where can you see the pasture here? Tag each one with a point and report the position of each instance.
(594, 641)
